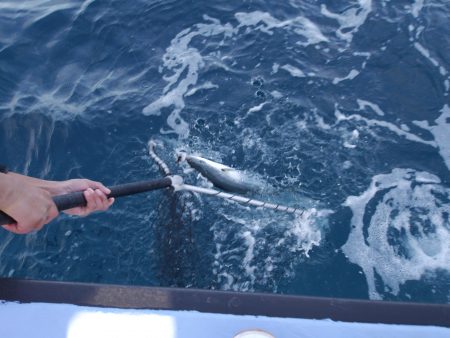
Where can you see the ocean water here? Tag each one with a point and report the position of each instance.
(339, 107)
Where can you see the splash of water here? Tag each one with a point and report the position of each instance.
(263, 257)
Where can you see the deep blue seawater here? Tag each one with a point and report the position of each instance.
(340, 107)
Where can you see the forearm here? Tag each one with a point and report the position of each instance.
(53, 187)
(6, 191)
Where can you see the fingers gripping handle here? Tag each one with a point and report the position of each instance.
(6, 219)
(69, 201)
(76, 199)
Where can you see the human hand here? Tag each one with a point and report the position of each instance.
(94, 192)
(30, 206)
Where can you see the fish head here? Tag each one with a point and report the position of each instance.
(220, 175)
(181, 156)
(207, 167)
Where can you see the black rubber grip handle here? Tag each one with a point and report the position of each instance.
(76, 199)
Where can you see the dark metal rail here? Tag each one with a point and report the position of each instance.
(237, 303)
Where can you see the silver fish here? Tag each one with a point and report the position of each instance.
(222, 176)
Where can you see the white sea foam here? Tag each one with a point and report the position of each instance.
(294, 71)
(185, 63)
(427, 54)
(297, 237)
(321, 123)
(351, 19)
(266, 23)
(84, 6)
(351, 75)
(256, 108)
(377, 123)
(351, 139)
(275, 68)
(72, 80)
(363, 104)
(417, 7)
(206, 85)
(48, 102)
(305, 234)
(249, 255)
(34, 5)
(347, 165)
(440, 131)
(276, 94)
(405, 235)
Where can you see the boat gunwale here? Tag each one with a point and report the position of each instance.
(224, 302)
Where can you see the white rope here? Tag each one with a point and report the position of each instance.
(237, 198)
(151, 150)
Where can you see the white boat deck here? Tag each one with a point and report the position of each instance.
(44, 320)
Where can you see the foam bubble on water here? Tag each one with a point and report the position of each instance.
(351, 75)
(266, 23)
(405, 235)
(294, 71)
(351, 19)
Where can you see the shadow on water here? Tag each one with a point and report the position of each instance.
(176, 246)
